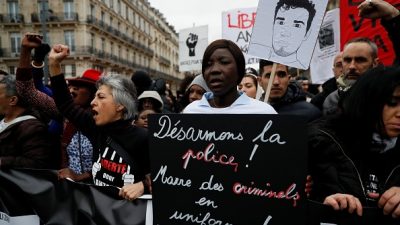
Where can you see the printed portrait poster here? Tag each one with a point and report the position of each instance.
(327, 47)
(286, 31)
(208, 169)
(237, 25)
(362, 27)
(192, 44)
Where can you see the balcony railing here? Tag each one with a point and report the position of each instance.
(165, 61)
(11, 18)
(9, 52)
(55, 17)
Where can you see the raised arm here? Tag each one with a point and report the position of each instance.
(390, 20)
(81, 118)
(24, 83)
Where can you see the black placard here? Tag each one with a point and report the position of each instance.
(228, 169)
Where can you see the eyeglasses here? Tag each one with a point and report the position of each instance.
(280, 74)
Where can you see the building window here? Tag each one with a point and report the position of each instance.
(15, 39)
(112, 4)
(119, 52)
(92, 11)
(102, 17)
(112, 49)
(13, 10)
(99, 68)
(69, 11)
(12, 70)
(119, 6)
(92, 42)
(103, 44)
(69, 70)
(69, 38)
(43, 7)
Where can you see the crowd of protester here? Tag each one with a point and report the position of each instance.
(100, 121)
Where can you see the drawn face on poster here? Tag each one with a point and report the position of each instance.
(291, 26)
(291, 34)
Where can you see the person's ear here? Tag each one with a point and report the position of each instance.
(120, 108)
(13, 100)
(376, 62)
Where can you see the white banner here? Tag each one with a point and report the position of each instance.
(328, 46)
(285, 32)
(192, 44)
(237, 25)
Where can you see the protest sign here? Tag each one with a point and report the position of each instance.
(328, 46)
(285, 32)
(192, 44)
(210, 169)
(237, 25)
(355, 26)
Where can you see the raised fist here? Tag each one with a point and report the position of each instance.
(191, 42)
(58, 53)
(40, 52)
(31, 40)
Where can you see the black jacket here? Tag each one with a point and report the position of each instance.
(294, 103)
(340, 160)
(109, 167)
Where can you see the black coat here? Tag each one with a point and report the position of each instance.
(340, 158)
(294, 103)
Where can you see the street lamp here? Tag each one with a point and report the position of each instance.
(43, 17)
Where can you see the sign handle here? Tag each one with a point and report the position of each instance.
(270, 81)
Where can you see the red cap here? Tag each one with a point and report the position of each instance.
(90, 76)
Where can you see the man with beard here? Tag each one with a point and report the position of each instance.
(291, 28)
(359, 55)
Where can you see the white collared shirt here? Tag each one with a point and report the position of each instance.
(242, 105)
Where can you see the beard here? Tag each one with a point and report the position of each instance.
(282, 52)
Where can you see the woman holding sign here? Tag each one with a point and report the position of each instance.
(355, 156)
(223, 68)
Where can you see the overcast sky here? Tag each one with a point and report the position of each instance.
(184, 14)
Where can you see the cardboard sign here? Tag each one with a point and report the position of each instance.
(328, 46)
(192, 44)
(237, 25)
(227, 169)
(285, 32)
